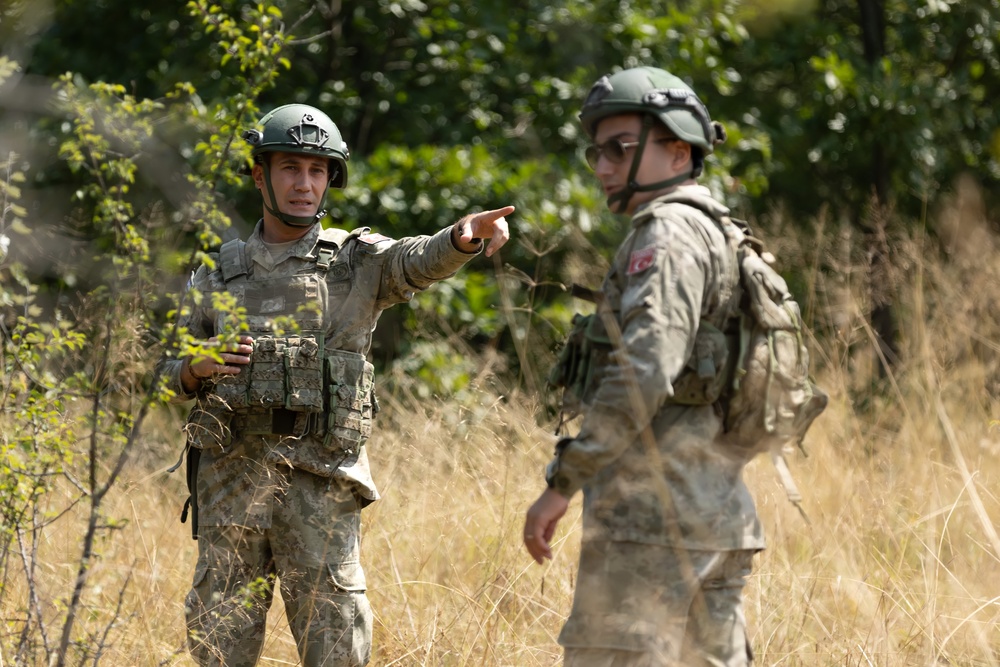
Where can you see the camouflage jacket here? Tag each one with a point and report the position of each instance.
(675, 270)
(367, 274)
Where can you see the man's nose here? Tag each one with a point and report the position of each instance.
(604, 166)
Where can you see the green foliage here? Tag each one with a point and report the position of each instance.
(450, 107)
(896, 107)
(76, 372)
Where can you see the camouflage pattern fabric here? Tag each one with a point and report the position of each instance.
(669, 274)
(369, 274)
(651, 503)
(260, 494)
(313, 547)
(633, 607)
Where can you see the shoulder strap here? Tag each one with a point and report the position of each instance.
(736, 233)
(233, 260)
(330, 241)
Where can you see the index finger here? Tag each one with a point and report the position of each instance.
(495, 214)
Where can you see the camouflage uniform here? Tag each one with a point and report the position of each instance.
(289, 505)
(669, 525)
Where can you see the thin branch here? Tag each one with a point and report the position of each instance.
(30, 565)
(309, 40)
(102, 643)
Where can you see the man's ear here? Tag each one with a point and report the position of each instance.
(258, 175)
(682, 154)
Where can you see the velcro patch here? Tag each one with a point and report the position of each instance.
(640, 260)
(372, 239)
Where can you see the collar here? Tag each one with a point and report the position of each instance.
(693, 194)
(256, 251)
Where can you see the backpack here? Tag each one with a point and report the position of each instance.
(771, 400)
(761, 382)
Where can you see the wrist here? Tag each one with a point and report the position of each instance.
(189, 381)
(555, 477)
(471, 247)
(186, 368)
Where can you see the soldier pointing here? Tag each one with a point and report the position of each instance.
(277, 464)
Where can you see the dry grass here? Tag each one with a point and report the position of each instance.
(899, 563)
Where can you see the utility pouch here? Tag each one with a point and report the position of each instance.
(706, 374)
(303, 365)
(580, 361)
(208, 423)
(350, 384)
(267, 373)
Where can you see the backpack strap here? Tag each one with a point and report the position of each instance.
(735, 232)
(788, 483)
(233, 260)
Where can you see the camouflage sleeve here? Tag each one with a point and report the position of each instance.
(663, 271)
(415, 263)
(198, 324)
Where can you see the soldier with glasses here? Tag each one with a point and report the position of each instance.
(277, 466)
(669, 527)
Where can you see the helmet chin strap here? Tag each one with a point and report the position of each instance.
(618, 202)
(288, 219)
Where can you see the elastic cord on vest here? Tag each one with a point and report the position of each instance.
(291, 220)
(623, 196)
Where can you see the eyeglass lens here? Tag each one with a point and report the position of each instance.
(613, 149)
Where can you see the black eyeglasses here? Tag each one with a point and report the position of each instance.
(614, 150)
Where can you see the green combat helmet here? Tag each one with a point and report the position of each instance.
(298, 128)
(657, 95)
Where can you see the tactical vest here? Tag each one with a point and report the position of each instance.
(749, 355)
(707, 372)
(293, 385)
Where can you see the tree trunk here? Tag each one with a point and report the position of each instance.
(883, 318)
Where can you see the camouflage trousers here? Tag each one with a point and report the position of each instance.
(312, 550)
(642, 605)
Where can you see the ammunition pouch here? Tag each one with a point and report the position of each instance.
(708, 371)
(581, 361)
(291, 387)
(350, 389)
(285, 372)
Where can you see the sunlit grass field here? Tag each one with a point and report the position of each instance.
(895, 562)
(896, 565)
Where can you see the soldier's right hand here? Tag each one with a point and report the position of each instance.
(234, 357)
(540, 524)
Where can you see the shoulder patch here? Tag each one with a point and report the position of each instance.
(372, 239)
(640, 260)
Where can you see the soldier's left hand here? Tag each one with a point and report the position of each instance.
(489, 225)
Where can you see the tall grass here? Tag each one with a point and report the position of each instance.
(896, 562)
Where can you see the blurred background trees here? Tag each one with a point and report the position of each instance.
(846, 109)
(860, 115)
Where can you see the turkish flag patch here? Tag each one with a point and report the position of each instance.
(372, 239)
(640, 260)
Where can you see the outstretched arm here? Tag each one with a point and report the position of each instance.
(469, 232)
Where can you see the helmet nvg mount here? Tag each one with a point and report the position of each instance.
(299, 128)
(656, 95)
